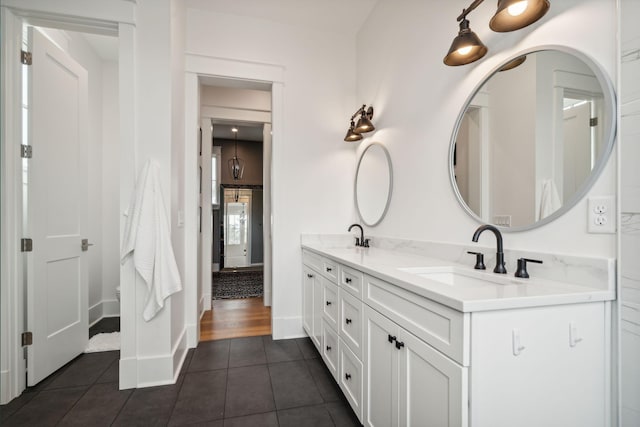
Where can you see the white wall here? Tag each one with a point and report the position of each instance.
(313, 167)
(110, 187)
(417, 100)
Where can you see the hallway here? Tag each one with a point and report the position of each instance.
(251, 381)
(235, 318)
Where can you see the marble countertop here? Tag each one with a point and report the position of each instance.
(495, 292)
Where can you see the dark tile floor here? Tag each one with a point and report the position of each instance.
(232, 383)
(105, 325)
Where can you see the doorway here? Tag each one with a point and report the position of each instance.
(70, 122)
(237, 230)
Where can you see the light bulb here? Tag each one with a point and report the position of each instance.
(464, 50)
(517, 9)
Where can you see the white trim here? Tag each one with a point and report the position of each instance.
(12, 364)
(155, 370)
(199, 65)
(233, 68)
(191, 203)
(76, 15)
(102, 309)
(287, 327)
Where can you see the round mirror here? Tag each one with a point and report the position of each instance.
(533, 138)
(373, 184)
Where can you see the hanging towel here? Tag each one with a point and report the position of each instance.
(147, 239)
(549, 199)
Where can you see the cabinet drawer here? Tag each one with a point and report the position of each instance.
(330, 303)
(440, 326)
(330, 270)
(330, 349)
(351, 323)
(351, 379)
(312, 260)
(351, 280)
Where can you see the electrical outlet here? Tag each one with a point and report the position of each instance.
(601, 215)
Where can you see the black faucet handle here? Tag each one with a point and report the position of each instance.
(365, 243)
(521, 271)
(479, 260)
(357, 241)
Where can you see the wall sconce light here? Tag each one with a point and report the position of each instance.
(364, 124)
(510, 15)
(236, 164)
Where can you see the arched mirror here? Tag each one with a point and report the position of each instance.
(373, 184)
(533, 138)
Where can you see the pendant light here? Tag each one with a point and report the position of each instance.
(516, 14)
(236, 164)
(466, 47)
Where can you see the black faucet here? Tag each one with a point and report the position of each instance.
(361, 241)
(500, 268)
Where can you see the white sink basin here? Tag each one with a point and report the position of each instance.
(457, 276)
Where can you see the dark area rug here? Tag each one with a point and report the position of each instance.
(237, 284)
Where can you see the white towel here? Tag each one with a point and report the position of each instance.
(147, 238)
(549, 199)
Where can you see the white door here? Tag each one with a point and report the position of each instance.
(57, 294)
(577, 148)
(236, 228)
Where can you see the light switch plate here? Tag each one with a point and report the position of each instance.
(601, 215)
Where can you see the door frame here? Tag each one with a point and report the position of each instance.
(73, 16)
(199, 67)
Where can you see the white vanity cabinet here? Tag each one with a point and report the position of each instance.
(407, 382)
(542, 366)
(402, 359)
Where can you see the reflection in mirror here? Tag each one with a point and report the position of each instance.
(532, 139)
(373, 184)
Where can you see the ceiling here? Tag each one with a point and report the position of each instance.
(246, 131)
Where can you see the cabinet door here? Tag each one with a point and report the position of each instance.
(432, 387)
(331, 303)
(381, 371)
(351, 322)
(307, 299)
(350, 378)
(542, 366)
(331, 349)
(318, 307)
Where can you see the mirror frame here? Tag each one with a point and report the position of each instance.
(355, 184)
(609, 135)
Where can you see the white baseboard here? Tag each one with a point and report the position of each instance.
(192, 335)
(5, 396)
(287, 327)
(206, 302)
(156, 370)
(105, 308)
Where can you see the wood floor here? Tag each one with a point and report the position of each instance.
(235, 318)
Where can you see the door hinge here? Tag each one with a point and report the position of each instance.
(593, 121)
(27, 338)
(26, 245)
(26, 151)
(26, 58)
